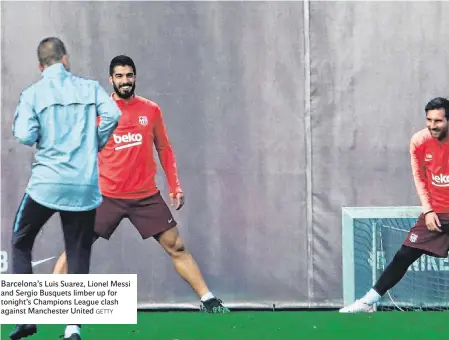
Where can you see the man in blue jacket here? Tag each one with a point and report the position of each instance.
(59, 114)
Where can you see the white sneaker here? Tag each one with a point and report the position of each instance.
(358, 307)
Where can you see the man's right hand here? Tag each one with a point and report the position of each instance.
(432, 221)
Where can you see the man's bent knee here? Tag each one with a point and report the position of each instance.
(179, 245)
(172, 242)
(176, 248)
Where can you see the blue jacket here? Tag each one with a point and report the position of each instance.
(59, 114)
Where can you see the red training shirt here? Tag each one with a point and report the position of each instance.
(430, 160)
(126, 164)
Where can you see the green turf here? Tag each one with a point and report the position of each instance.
(264, 325)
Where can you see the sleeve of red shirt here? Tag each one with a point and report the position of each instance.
(166, 153)
(419, 173)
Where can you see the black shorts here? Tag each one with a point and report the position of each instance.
(149, 215)
(77, 227)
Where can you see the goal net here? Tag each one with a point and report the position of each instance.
(371, 238)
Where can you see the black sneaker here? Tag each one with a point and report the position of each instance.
(22, 331)
(213, 305)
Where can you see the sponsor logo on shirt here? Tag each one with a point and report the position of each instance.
(127, 141)
(428, 157)
(440, 180)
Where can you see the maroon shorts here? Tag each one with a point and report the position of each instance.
(433, 242)
(150, 215)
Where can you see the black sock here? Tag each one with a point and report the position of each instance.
(397, 268)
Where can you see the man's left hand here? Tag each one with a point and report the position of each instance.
(179, 198)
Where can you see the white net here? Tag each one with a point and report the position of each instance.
(425, 286)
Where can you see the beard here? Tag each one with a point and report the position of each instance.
(440, 133)
(124, 94)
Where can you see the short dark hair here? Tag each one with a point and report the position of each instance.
(121, 60)
(439, 103)
(50, 51)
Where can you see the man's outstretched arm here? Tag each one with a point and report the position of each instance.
(109, 114)
(167, 159)
(419, 175)
(25, 127)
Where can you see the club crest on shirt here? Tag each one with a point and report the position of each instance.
(428, 157)
(143, 120)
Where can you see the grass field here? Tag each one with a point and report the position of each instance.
(282, 325)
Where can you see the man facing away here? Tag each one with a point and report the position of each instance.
(127, 180)
(429, 152)
(58, 114)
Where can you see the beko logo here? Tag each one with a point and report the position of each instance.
(127, 141)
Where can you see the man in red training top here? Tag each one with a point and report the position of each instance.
(127, 180)
(429, 152)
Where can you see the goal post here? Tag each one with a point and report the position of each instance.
(371, 236)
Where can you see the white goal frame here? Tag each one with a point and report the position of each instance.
(349, 214)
